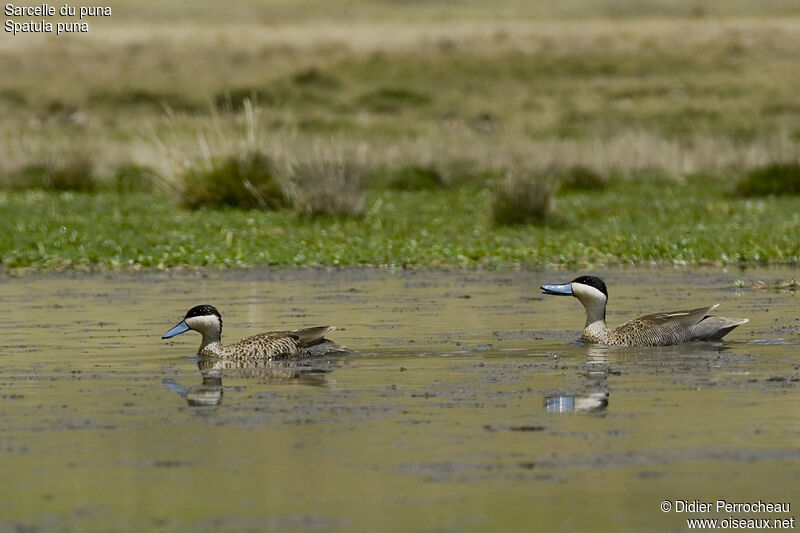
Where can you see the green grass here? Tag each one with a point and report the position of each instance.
(522, 198)
(246, 180)
(73, 173)
(776, 178)
(580, 178)
(635, 221)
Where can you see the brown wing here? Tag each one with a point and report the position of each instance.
(271, 336)
(664, 328)
(309, 336)
(279, 344)
(273, 344)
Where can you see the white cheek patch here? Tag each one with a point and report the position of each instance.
(204, 324)
(587, 293)
(593, 300)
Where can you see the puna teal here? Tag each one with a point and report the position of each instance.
(660, 329)
(206, 320)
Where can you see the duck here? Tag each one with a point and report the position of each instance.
(659, 329)
(272, 345)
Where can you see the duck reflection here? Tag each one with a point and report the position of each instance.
(209, 392)
(593, 396)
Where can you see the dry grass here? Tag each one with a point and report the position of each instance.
(328, 182)
(523, 198)
(686, 94)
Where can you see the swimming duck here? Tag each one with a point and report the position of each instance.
(206, 320)
(660, 329)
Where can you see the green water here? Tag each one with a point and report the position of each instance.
(468, 407)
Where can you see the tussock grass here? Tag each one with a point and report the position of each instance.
(131, 177)
(13, 97)
(415, 178)
(142, 98)
(523, 198)
(328, 183)
(582, 178)
(392, 99)
(74, 173)
(236, 99)
(774, 179)
(315, 77)
(247, 181)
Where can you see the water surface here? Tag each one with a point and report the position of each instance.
(470, 405)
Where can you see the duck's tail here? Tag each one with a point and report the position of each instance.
(309, 336)
(313, 340)
(713, 328)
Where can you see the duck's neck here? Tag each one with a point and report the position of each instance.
(596, 329)
(595, 314)
(211, 345)
(594, 302)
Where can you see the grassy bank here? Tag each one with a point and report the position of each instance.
(632, 221)
(404, 118)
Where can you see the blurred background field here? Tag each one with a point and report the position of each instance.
(353, 107)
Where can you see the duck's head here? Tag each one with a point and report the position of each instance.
(589, 290)
(204, 319)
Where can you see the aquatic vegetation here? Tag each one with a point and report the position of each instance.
(523, 198)
(775, 178)
(777, 285)
(247, 181)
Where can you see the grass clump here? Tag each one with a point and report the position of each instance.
(392, 100)
(522, 198)
(234, 100)
(315, 77)
(774, 179)
(131, 177)
(245, 181)
(75, 173)
(13, 97)
(416, 178)
(583, 178)
(330, 186)
(142, 98)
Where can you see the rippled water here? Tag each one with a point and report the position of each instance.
(470, 405)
